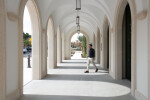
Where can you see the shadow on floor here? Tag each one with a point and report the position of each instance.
(59, 97)
(77, 67)
(87, 77)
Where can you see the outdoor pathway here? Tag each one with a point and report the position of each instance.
(77, 55)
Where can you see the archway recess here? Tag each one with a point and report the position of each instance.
(118, 41)
(36, 41)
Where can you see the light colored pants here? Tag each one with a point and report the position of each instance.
(89, 61)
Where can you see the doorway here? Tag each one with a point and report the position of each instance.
(126, 44)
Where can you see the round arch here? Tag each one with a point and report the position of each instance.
(69, 42)
(2, 51)
(36, 40)
(118, 38)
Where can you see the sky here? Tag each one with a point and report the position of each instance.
(75, 37)
(27, 22)
(27, 25)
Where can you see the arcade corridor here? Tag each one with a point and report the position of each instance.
(117, 30)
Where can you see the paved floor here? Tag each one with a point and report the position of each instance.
(77, 55)
(27, 72)
(70, 83)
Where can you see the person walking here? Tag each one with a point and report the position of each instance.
(91, 58)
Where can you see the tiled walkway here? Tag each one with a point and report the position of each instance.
(71, 83)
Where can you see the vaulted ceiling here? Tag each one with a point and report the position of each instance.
(64, 14)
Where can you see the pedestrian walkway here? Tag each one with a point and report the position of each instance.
(71, 83)
(27, 72)
(77, 55)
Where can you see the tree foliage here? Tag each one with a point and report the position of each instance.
(82, 39)
(26, 39)
(26, 36)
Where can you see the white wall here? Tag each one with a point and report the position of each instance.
(12, 55)
(112, 52)
(12, 47)
(142, 49)
(142, 56)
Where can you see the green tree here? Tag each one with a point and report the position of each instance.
(82, 39)
(26, 40)
(84, 51)
(26, 36)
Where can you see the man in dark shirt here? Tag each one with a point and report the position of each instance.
(91, 58)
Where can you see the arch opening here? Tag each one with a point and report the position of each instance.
(78, 46)
(68, 44)
(27, 47)
(36, 42)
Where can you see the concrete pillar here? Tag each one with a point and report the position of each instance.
(51, 45)
(93, 41)
(55, 51)
(59, 46)
(63, 46)
(36, 41)
(98, 46)
(44, 54)
(51, 50)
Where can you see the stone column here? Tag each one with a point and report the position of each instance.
(59, 46)
(44, 53)
(63, 46)
(55, 51)
(98, 46)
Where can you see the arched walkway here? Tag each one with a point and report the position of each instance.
(118, 29)
(36, 41)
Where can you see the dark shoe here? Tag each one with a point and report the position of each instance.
(86, 71)
(96, 70)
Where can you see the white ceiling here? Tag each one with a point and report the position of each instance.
(64, 14)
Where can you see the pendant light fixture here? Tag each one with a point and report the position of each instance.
(78, 8)
(78, 4)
